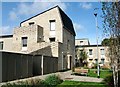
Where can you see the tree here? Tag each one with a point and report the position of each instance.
(111, 25)
(81, 56)
(106, 42)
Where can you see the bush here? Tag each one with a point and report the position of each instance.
(73, 69)
(27, 83)
(94, 66)
(109, 80)
(52, 81)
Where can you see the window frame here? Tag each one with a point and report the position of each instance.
(90, 51)
(31, 23)
(1, 43)
(24, 41)
(51, 39)
(102, 51)
(50, 21)
(102, 60)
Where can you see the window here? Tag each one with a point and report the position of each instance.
(102, 51)
(24, 41)
(90, 51)
(52, 39)
(81, 42)
(81, 50)
(52, 25)
(102, 60)
(31, 23)
(1, 45)
(68, 45)
(96, 60)
(90, 59)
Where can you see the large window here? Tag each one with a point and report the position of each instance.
(24, 41)
(1, 45)
(90, 51)
(52, 25)
(102, 51)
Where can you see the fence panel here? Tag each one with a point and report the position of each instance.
(16, 65)
(37, 65)
(50, 64)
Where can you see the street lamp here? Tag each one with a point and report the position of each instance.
(95, 14)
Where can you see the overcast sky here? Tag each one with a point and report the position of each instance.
(81, 14)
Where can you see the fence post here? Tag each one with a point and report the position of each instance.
(42, 66)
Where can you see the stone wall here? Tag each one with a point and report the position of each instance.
(43, 20)
(7, 43)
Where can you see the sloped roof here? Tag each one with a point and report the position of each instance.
(67, 23)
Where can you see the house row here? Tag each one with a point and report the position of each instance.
(95, 53)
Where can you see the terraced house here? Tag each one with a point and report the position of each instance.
(50, 33)
(91, 52)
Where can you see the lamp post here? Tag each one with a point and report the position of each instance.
(98, 70)
(62, 61)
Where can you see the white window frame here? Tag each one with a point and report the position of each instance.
(90, 51)
(102, 51)
(24, 46)
(52, 25)
(1, 43)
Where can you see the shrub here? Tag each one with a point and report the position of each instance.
(52, 80)
(73, 69)
(104, 67)
(27, 83)
(109, 80)
(94, 66)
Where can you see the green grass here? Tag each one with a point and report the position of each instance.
(103, 73)
(81, 84)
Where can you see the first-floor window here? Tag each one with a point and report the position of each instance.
(96, 60)
(90, 51)
(102, 60)
(52, 39)
(1, 45)
(102, 51)
(24, 41)
(81, 43)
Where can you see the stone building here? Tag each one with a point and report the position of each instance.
(50, 33)
(91, 51)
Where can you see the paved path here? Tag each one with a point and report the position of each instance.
(65, 76)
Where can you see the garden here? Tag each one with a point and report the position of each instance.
(55, 81)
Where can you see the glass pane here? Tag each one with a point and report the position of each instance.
(1, 45)
(52, 25)
(24, 41)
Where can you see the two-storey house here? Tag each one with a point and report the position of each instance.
(50, 33)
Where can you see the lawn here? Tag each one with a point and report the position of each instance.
(103, 73)
(81, 84)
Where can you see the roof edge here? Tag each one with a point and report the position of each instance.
(5, 36)
(38, 14)
(90, 46)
